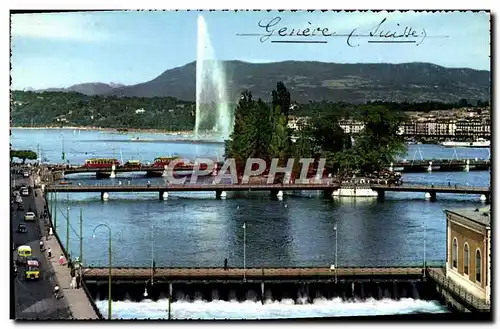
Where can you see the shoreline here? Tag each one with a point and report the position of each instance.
(118, 130)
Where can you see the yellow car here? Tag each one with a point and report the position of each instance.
(32, 270)
(23, 253)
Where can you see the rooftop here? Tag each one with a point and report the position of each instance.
(478, 215)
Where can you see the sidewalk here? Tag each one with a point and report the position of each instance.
(77, 300)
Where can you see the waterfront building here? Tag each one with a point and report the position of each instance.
(468, 256)
(295, 123)
(474, 128)
(351, 126)
(448, 128)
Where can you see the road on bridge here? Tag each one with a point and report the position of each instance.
(266, 187)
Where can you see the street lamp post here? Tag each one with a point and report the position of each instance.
(110, 264)
(67, 231)
(335, 228)
(423, 225)
(81, 235)
(244, 251)
(55, 211)
(152, 264)
(152, 254)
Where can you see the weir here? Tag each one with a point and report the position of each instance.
(299, 292)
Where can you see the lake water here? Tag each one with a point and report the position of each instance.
(195, 229)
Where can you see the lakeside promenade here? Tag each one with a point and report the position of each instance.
(74, 303)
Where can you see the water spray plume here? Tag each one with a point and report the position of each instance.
(213, 114)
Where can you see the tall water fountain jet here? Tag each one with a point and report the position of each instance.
(213, 113)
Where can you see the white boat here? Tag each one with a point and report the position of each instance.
(480, 142)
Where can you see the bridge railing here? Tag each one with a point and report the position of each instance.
(458, 291)
(437, 263)
(236, 273)
(319, 185)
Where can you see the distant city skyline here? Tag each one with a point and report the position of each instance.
(62, 49)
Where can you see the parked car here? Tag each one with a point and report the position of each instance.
(26, 174)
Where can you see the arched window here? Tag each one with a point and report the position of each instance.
(478, 266)
(466, 259)
(454, 253)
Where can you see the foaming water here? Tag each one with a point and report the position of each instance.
(320, 307)
(212, 109)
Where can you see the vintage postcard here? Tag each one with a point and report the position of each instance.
(248, 165)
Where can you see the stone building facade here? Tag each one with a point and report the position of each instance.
(468, 256)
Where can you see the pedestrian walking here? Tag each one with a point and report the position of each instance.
(49, 253)
(50, 232)
(41, 245)
(225, 264)
(73, 283)
(62, 260)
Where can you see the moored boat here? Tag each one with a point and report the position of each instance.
(480, 142)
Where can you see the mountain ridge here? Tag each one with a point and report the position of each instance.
(322, 81)
(86, 88)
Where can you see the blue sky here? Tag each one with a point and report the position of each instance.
(62, 49)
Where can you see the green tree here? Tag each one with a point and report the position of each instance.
(463, 103)
(263, 127)
(280, 139)
(242, 141)
(379, 142)
(23, 155)
(281, 99)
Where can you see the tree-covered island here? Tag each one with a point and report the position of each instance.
(261, 131)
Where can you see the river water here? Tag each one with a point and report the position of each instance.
(195, 229)
(271, 310)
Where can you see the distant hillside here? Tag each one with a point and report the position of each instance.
(75, 109)
(316, 81)
(90, 89)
